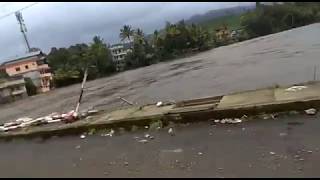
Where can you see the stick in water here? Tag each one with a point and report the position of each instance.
(126, 101)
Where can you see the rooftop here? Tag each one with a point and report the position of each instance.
(21, 57)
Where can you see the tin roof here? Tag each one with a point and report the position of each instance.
(21, 57)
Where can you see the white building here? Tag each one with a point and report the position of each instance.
(119, 51)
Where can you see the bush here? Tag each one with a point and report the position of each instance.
(30, 87)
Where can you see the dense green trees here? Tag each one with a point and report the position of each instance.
(175, 40)
(271, 19)
(68, 64)
(30, 87)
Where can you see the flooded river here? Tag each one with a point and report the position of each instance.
(284, 58)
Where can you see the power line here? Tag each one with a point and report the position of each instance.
(18, 10)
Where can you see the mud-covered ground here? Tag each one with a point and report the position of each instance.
(287, 146)
(283, 58)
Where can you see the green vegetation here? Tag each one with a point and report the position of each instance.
(231, 21)
(68, 64)
(272, 19)
(3, 74)
(30, 87)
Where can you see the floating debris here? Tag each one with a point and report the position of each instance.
(179, 150)
(110, 134)
(272, 153)
(78, 147)
(147, 135)
(200, 153)
(143, 141)
(159, 104)
(311, 111)
(83, 136)
(170, 131)
(93, 111)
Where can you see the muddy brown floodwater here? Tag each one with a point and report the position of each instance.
(284, 58)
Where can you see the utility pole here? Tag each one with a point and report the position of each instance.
(23, 28)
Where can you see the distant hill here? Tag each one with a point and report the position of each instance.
(214, 18)
(214, 14)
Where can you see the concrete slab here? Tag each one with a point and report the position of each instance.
(311, 92)
(133, 113)
(247, 98)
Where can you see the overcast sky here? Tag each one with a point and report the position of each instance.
(53, 24)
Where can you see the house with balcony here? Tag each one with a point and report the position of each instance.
(32, 65)
(12, 88)
(119, 52)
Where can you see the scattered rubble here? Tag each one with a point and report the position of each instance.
(174, 150)
(159, 104)
(83, 136)
(110, 134)
(170, 131)
(126, 163)
(311, 111)
(143, 141)
(147, 135)
(54, 117)
(228, 121)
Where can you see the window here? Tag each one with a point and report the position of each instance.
(18, 69)
(27, 67)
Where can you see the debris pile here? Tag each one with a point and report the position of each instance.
(55, 117)
(228, 121)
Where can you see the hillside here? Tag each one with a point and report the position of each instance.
(215, 14)
(215, 18)
(232, 22)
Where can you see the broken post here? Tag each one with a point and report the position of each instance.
(125, 100)
(82, 86)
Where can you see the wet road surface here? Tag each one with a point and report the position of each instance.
(283, 58)
(285, 147)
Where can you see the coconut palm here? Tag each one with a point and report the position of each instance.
(126, 32)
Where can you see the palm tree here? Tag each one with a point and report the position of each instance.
(172, 30)
(139, 35)
(126, 32)
(155, 38)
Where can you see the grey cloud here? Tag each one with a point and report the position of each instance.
(62, 24)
